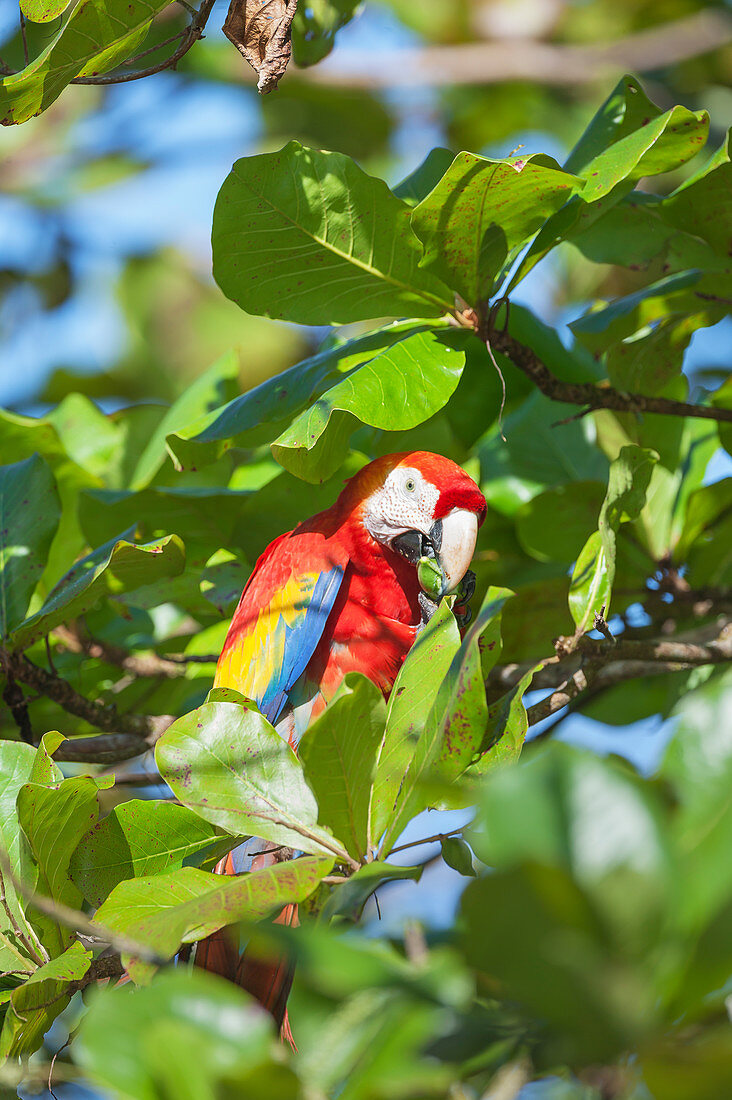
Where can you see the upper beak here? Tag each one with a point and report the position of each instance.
(454, 539)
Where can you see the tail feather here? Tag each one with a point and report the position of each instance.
(267, 978)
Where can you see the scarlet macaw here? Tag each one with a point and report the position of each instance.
(340, 593)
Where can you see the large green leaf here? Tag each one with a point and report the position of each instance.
(539, 453)
(339, 752)
(628, 138)
(38, 1001)
(418, 184)
(226, 762)
(698, 765)
(625, 110)
(410, 702)
(647, 363)
(54, 819)
(42, 11)
(17, 761)
(195, 1037)
(287, 224)
(554, 525)
(186, 905)
(481, 211)
(580, 857)
(261, 414)
(214, 387)
(702, 205)
(456, 724)
(506, 728)
(460, 710)
(95, 37)
(116, 567)
(594, 571)
(29, 515)
(398, 389)
(692, 293)
(137, 839)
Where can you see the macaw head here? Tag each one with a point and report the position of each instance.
(422, 506)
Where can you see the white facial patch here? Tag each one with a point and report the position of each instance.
(405, 502)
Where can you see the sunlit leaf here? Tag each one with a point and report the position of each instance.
(182, 906)
(29, 516)
(339, 751)
(94, 38)
(137, 839)
(328, 223)
(228, 764)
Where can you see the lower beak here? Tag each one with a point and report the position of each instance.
(459, 532)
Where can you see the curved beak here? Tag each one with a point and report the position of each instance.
(454, 539)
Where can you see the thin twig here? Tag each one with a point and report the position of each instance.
(436, 839)
(189, 35)
(23, 36)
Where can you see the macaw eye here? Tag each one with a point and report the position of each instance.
(410, 485)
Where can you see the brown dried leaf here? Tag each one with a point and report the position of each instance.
(260, 30)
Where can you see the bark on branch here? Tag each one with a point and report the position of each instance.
(589, 396)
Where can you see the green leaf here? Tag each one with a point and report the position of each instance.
(460, 711)
(625, 110)
(314, 29)
(686, 293)
(627, 139)
(506, 728)
(481, 211)
(186, 905)
(647, 363)
(43, 11)
(327, 223)
(698, 765)
(228, 764)
(222, 580)
(261, 414)
(425, 177)
(339, 751)
(536, 455)
(214, 387)
(702, 205)
(137, 839)
(94, 39)
(39, 1000)
(579, 856)
(554, 525)
(410, 703)
(456, 854)
(591, 585)
(54, 819)
(594, 571)
(116, 567)
(348, 900)
(194, 1037)
(17, 761)
(398, 389)
(707, 508)
(455, 726)
(29, 515)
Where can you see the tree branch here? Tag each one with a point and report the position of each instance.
(586, 394)
(127, 734)
(188, 36)
(529, 59)
(149, 664)
(598, 664)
